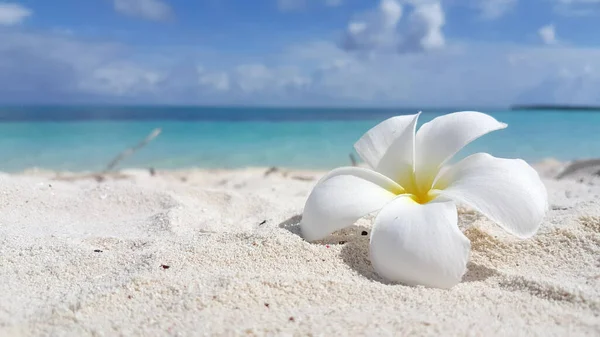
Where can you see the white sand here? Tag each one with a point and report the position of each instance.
(231, 275)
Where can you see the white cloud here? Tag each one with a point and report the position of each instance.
(252, 77)
(577, 7)
(426, 21)
(383, 28)
(258, 79)
(574, 85)
(494, 9)
(62, 69)
(156, 10)
(218, 81)
(13, 13)
(37, 67)
(548, 34)
(560, 75)
(376, 29)
(120, 79)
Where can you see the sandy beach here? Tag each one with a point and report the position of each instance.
(218, 252)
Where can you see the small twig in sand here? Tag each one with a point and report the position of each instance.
(578, 165)
(102, 176)
(99, 177)
(132, 150)
(303, 178)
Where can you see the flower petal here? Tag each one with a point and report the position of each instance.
(419, 244)
(508, 191)
(441, 138)
(343, 196)
(389, 147)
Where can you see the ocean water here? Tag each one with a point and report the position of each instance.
(87, 138)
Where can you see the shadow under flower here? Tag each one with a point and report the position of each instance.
(292, 224)
(355, 252)
(477, 273)
(339, 237)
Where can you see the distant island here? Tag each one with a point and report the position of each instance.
(553, 107)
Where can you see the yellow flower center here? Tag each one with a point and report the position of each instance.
(423, 198)
(418, 194)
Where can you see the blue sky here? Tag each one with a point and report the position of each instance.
(300, 52)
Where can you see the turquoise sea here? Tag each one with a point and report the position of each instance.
(87, 138)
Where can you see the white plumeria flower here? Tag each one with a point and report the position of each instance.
(415, 239)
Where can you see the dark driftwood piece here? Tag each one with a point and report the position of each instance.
(578, 165)
(128, 152)
(271, 170)
(353, 160)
